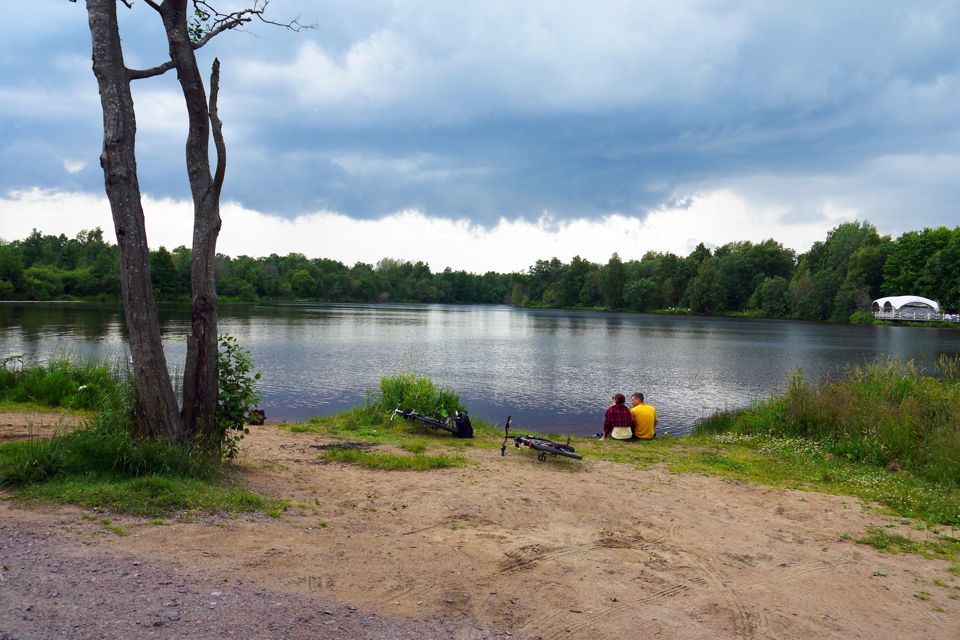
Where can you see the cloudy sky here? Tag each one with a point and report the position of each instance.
(486, 135)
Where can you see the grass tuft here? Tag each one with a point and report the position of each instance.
(408, 391)
(943, 547)
(392, 462)
(64, 382)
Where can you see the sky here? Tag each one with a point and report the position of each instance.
(487, 135)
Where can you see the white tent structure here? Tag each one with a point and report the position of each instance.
(906, 308)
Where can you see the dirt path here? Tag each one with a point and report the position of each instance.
(509, 547)
(75, 588)
(20, 425)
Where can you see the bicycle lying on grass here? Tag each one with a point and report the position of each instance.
(459, 425)
(543, 445)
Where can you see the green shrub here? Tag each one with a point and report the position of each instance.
(717, 422)
(862, 317)
(883, 413)
(392, 462)
(407, 391)
(237, 393)
(62, 382)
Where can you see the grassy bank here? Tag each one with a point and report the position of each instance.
(65, 382)
(883, 414)
(99, 464)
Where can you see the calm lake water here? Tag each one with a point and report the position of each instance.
(552, 370)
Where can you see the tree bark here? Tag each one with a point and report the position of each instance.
(200, 371)
(151, 377)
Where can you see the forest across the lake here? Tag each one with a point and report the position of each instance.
(835, 280)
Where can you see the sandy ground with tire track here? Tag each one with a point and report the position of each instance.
(511, 547)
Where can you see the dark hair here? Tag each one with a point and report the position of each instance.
(619, 398)
(638, 396)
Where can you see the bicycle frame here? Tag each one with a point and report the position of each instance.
(459, 425)
(542, 445)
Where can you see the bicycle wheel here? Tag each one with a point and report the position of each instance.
(554, 448)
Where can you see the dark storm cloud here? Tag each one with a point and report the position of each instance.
(493, 109)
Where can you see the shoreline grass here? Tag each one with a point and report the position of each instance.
(100, 465)
(884, 414)
(391, 461)
(64, 382)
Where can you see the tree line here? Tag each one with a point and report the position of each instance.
(837, 277)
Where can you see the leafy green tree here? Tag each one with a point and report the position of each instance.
(642, 295)
(613, 279)
(703, 293)
(163, 274)
(771, 297)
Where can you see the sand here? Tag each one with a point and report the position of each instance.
(512, 547)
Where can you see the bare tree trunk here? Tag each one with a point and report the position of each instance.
(200, 372)
(151, 377)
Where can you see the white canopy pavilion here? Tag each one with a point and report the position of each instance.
(906, 308)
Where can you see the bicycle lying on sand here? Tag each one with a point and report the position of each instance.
(459, 425)
(542, 445)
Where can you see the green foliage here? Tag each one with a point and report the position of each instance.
(392, 462)
(237, 393)
(63, 382)
(149, 496)
(942, 547)
(837, 277)
(882, 414)
(104, 466)
(408, 391)
(862, 317)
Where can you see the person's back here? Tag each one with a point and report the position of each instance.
(618, 422)
(644, 418)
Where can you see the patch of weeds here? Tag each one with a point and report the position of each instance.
(923, 595)
(300, 428)
(276, 510)
(152, 495)
(392, 462)
(944, 547)
(941, 583)
(955, 570)
(414, 446)
(157, 522)
(113, 528)
(879, 574)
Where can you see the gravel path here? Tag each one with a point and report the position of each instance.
(52, 586)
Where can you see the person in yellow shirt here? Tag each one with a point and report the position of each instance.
(644, 418)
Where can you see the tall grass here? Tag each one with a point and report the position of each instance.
(105, 464)
(103, 447)
(884, 413)
(408, 391)
(63, 382)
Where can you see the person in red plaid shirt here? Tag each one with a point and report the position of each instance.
(618, 415)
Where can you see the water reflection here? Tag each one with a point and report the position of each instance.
(553, 370)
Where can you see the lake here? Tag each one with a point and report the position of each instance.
(552, 370)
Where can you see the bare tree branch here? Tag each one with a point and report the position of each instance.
(137, 74)
(216, 127)
(153, 4)
(226, 21)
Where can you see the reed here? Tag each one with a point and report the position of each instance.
(63, 382)
(885, 413)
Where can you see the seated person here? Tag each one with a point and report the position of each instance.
(618, 422)
(644, 418)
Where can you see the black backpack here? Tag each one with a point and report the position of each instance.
(462, 426)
